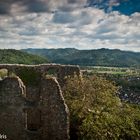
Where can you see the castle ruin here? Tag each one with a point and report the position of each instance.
(32, 106)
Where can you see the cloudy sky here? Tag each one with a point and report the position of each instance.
(81, 24)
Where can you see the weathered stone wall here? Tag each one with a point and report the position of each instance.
(12, 119)
(32, 104)
(57, 70)
(55, 115)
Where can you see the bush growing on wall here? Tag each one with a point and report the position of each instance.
(3, 73)
(97, 113)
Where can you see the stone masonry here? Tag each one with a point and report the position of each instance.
(32, 106)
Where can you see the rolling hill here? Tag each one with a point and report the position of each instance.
(99, 57)
(18, 57)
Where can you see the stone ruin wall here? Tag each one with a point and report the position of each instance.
(34, 109)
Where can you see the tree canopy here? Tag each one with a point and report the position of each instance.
(11, 56)
(97, 113)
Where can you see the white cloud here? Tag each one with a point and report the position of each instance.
(84, 28)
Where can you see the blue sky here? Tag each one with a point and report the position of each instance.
(81, 24)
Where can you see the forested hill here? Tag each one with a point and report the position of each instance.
(12, 56)
(99, 57)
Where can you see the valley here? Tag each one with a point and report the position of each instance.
(127, 80)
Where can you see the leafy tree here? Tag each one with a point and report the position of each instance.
(97, 113)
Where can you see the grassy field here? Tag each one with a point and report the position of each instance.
(111, 70)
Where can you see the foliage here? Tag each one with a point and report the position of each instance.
(96, 111)
(54, 55)
(3, 73)
(52, 72)
(99, 57)
(11, 56)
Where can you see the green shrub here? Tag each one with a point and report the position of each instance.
(96, 113)
(3, 73)
(52, 72)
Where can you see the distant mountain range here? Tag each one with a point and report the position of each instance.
(19, 57)
(99, 57)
